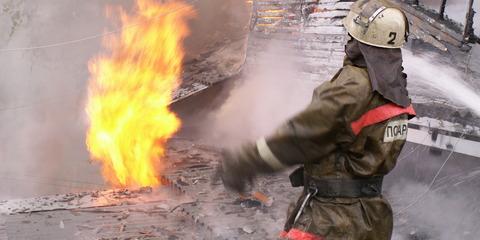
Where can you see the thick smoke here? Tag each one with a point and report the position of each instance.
(218, 22)
(41, 97)
(441, 214)
(269, 92)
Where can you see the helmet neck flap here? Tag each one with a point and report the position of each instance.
(385, 70)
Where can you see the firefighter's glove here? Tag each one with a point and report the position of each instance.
(234, 172)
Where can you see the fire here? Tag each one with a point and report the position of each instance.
(130, 89)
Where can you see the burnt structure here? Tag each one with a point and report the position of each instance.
(467, 31)
(192, 206)
(442, 9)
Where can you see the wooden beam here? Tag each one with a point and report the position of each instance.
(468, 33)
(441, 12)
(427, 24)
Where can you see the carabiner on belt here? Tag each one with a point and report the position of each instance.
(312, 191)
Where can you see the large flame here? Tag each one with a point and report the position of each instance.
(130, 89)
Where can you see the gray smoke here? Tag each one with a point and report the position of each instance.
(268, 93)
(443, 215)
(42, 91)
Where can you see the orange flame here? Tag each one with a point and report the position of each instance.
(130, 90)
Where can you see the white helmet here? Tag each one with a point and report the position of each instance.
(374, 24)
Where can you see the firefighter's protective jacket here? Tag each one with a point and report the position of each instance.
(347, 132)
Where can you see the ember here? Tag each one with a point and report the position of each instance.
(130, 89)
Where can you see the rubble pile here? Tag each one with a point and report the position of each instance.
(189, 206)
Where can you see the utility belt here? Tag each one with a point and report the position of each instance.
(347, 188)
(330, 188)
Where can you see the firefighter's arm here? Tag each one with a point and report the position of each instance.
(316, 131)
(306, 137)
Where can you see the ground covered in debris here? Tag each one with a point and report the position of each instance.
(191, 206)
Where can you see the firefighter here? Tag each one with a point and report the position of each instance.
(346, 139)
